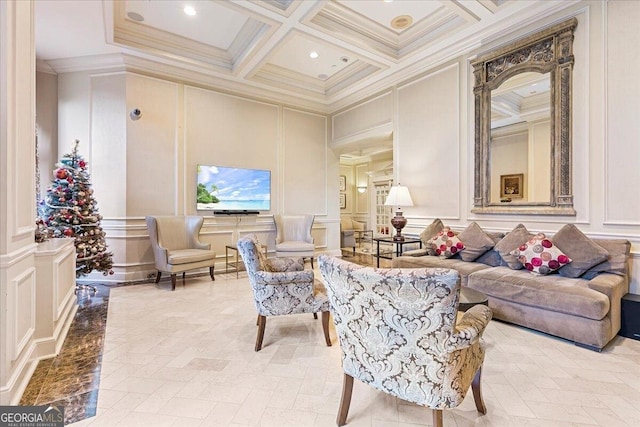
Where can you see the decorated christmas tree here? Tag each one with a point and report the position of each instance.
(70, 210)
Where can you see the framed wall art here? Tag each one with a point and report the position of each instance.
(343, 183)
(511, 186)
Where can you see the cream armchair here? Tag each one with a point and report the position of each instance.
(281, 286)
(398, 333)
(348, 227)
(293, 236)
(176, 246)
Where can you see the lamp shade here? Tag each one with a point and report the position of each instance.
(399, 196)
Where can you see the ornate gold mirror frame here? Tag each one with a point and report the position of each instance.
(548, 51)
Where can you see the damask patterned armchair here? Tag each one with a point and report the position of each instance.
(281, 286)
(398, 333)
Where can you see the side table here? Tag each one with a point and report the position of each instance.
(237, 263)
(470, 297)
(398, 246)
(362, 235)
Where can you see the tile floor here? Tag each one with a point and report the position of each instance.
(186, 358)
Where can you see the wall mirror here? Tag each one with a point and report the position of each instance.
(523, 125)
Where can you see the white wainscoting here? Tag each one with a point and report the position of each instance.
(56, 302)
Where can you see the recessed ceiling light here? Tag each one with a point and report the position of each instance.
(388, 1)
(190, 10)
(313, 55)
(135, 16)
(322, 76)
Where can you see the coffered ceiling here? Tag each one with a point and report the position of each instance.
(262, 47)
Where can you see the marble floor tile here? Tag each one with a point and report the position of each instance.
(186, 358)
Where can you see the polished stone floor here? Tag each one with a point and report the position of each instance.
(186, 358)
(72, 378)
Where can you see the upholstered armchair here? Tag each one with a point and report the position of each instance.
(293, 236)
(281, 286)
(398, 333)
(176, 246)
(348, 227)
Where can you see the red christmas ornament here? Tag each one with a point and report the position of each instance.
(68, 232)
(61, 173)
(70, 180)
(82, 164)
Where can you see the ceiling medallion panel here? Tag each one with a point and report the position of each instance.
(159, 28)
(289, 67)
(397, 38)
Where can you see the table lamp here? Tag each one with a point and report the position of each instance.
(399, 196)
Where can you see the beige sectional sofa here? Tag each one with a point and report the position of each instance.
(579, 302)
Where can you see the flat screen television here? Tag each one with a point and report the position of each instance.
(233, 189)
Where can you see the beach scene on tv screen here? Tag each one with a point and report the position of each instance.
(223, 188)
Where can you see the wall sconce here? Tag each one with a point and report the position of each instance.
(361, 188)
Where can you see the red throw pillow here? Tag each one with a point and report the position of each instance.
(540, 256)
(446, 244)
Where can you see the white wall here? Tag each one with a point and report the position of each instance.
(17, 199)
(433, 124)
(47, 123)
(148, 166)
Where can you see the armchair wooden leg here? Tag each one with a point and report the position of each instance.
(345, 400)
(158, 275)
(477, 392)
(325, 327)
(312, 263)
(211, 273)
(437, 417)
(173, 282)
(262, 320)
(315, 315)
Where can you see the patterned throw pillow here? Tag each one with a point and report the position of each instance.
(446, 244)
(540, 256)
(429, 233)
(516, 237)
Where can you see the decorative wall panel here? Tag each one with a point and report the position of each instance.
(428, 141)
(304, 163)
(622, 149)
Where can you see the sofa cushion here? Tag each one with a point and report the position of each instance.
(583, 251)
(416, 252)
(446, 244)
(476, 242)
(551, 292)
(540, 256)
(428, 233)
(492, 257)
(463, 268)
(617, 260)
(511, 241)
(186, 256)
(294, 246)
